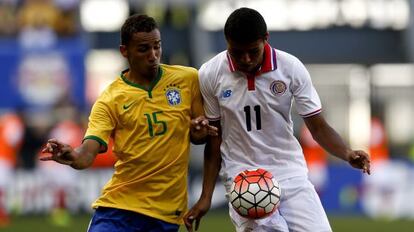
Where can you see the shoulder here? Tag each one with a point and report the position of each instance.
(214, 67)
(215, 62)
(288, 63)
(179, 69)
(285, 58)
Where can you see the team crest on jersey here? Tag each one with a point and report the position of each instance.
(173, 94)
(278, 87)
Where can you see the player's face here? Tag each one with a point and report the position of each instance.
(248, 57)
(144, 53)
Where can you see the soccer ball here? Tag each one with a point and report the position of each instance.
(255, 194)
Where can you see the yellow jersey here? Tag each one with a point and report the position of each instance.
(151, 132)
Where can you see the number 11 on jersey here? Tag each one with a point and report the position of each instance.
(247, 112)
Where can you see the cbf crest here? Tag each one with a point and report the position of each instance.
(173, 94)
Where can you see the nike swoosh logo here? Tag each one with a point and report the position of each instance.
(126, 106)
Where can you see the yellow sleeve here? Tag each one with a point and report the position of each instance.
(101, 124)
(196, 101)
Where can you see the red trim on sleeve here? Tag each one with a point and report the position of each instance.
(312, 113)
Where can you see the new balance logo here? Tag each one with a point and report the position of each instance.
(226, 93)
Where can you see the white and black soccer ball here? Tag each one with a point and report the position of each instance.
(255, 194)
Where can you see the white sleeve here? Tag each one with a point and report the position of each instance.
(211, 104)
(306, 98)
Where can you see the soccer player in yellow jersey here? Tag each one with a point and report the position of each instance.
(152, 111)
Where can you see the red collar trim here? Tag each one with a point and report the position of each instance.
(269, 61)
(231, 65)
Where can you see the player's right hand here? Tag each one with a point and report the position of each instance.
(196, 213)
(361, 160)
(57, 151)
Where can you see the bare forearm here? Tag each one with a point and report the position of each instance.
(327, 137)
(212, 164)
(83, 160)
(332, 142)
(85, 154)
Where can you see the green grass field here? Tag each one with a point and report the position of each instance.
(217, 221)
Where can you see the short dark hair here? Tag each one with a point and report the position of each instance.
(136, 23)
(245, 25)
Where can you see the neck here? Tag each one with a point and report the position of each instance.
(142, 80)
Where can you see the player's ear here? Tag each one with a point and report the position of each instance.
(123, 50)
(266, 36)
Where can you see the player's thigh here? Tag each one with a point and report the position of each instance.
(301, 207)
(118, 220)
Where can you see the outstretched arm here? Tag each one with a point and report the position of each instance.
(79, 158)
(330, 140)
(212, 164)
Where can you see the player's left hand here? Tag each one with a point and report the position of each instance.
(200, 128)
(361, 160)
(57, 151)
(196, 213)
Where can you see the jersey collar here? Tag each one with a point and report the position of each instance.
(153, 84)
(269, 61)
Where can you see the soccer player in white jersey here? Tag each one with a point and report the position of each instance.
(248, 92)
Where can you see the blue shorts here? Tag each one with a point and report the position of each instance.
(119, 220)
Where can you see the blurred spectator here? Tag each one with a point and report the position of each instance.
(38, 20)
(11, 134)
(37, 124)
(8, 17)
(378, 145)
(67, 23)
(38, 13)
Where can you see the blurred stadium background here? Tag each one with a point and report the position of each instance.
(56, 56)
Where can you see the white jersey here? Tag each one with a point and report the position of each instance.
(255, 112)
